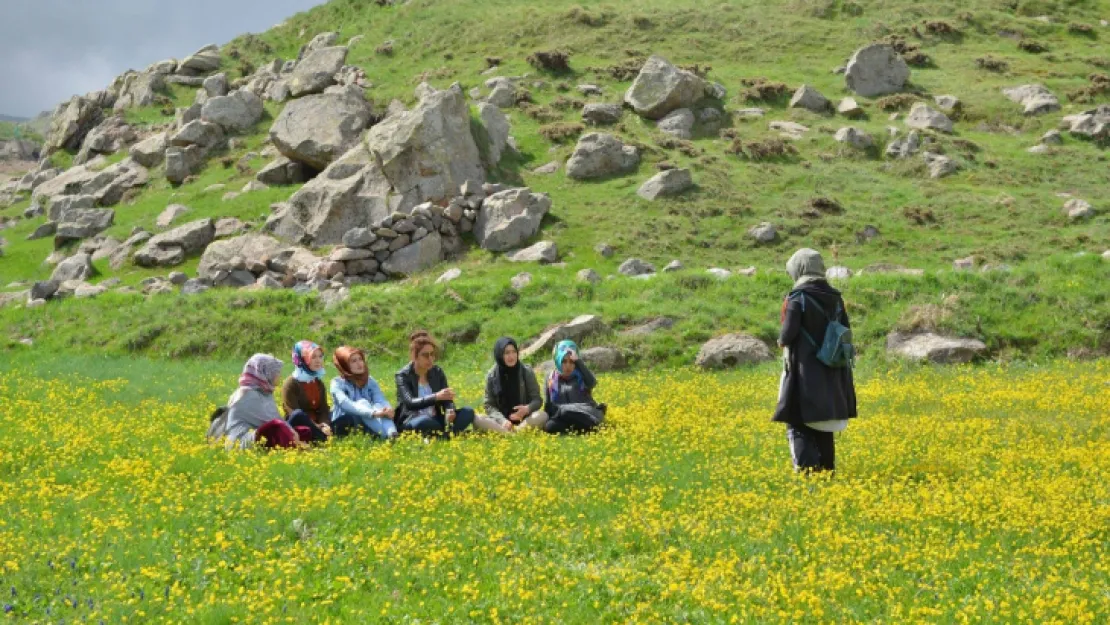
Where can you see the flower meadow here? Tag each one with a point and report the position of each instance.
(962, 495)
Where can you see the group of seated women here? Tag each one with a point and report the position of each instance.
(425, 401)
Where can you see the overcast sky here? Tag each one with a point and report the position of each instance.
(53, 49)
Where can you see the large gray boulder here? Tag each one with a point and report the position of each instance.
(602, 359)
(225, 255)
(317, 71)
(904, 147)
(927, 346)
(809, 98)
(876, 70)
(76, 267)
(600, 114)
(854, 137)
(200, 133)
(732, 350)
(661, 88)
(509, 218)
(321, 40)
(171, 247)
(600, 154)
(1035, 99)
(150, 152)
(666, 183)
(423, 155)
(318, 129)
(216, 85)
(70, 123)
(236, 112)
(678, 123)
(541, 252)
(1093, 124)
(183, 162)
(138, 89)
(82, 223)
(415, 257)
(109, 137)
(106, 186)
(203, 61)
(497, 130)
(577, 329)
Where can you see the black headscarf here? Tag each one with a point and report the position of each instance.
(508, 378)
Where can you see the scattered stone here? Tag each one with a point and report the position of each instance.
(200, 133)
(666, 183)
(150, 152)
(317, 71)
(887, 268)
(838, 273)
(636, 267)
(548, 169)
(674, 265)
(1040, 148)
(508, 218)
(849, 108)
(503, 94)
(599, 154)
(649, 327)
(1052, 137)
(1036, 99)
(588, 275)
(359, 238)
(237, 112)
(876, 70)
(602, 359)
(44, 230)
(415, 257)
(577, 329)
(719, 273)
(215, 85)
(82, 223)
(661, 88)
(44, 289)
(449, 275)
(678, 123)
(203, 61)
(732, 350)
(855, 137)
(497, 130)
(950, 104)
(334, 297)
(789, 130)
(170, 214)
(171, 247)
(589, 90)
(904, 147)
(749, 113)
(521, 280)
(76, 267)
(542, 252)
(70, 123)
(923, 117)
(1077, 209)
(177, 278)
(282, 171)
(927, 346)
(806, 97)
(940, 165)
(604, 249)
(601, 114)
(1093, 124)
(342, 254)
(764, 233)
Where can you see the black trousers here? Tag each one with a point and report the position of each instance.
(812, 450)
(298, 417)
(569, 422)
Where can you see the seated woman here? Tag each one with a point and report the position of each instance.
(250, 413)
(304, 391)
(425, 403)
(358, 400)
(569, 392)
(513, 397)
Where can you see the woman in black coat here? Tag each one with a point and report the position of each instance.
(815, 400)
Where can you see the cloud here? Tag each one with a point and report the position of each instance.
(53, 49)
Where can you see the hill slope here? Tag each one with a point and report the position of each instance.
(1003, 206)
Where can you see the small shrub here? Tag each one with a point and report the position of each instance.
(582, 15)
(701, 71)
(673, 143)
(227, 162)
(824, 205)
(763, 90)
(492, 62)
(550, 61)
(542, 114)
(992, 64)
(564, 103)
(386, 49)
(940, 28)
(245, 68)
(1100, 86)
(896, 102)
(926, 317)
(623, 71)
(909, 52)
(852, 9)
(1085, 30)
(1031, 46)
(919, 216)
(768, 149)
(643, 23)
(560, 132)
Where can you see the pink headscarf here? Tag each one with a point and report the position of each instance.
(259, 371)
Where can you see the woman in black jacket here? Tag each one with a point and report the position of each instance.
(425, 403)
(815, 400)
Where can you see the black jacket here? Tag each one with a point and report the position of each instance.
(812, 391)
(408, 393)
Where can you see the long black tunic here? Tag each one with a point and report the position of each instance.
(811, 390)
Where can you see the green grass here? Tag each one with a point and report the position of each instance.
(1002, 207)
(12, 130)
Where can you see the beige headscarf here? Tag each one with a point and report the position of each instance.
(805, 266)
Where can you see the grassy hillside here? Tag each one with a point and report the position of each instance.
(1003, 207)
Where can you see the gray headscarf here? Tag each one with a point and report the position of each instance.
(805, 266)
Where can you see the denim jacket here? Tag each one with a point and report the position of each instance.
(347, 398)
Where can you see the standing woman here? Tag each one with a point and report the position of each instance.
(570, 394)
(359, 401)
(815, 400)
(425, 402)
(513, 397)
(304, 391)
